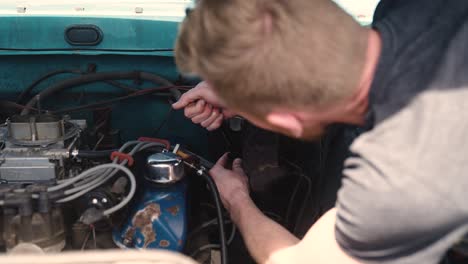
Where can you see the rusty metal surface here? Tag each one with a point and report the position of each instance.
(173, 210)
(143, 220)
(164, 243)
(157, 221)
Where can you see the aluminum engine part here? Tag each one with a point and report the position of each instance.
(46, 230)
(164, 167)
(35, 151)
(17, 168)
(41, 131)
(36, 128)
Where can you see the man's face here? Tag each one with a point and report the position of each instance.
(313, 131)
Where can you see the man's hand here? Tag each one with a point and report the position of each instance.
(233, 185)
(203, 106)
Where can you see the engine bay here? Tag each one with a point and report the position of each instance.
(67, 184)
(71, 183)
(98, 160)
(93, 157)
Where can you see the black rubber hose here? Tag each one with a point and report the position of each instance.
(159, 80)
(9, 105)
(219, 212)
(80, 80)
(122, 86)
(148, 91)
(25, 93)
(97, 77)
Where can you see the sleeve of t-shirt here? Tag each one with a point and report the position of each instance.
(403, 194)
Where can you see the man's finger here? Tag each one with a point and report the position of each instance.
(237, 166)
(186, 99)
(222, 161)
(194, 109)
(209, 120)
(216, 124)
(228, 113)
(218, 168)
(207, 112)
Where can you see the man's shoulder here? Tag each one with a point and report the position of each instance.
(403, 191)
(391, 7)
(422, 49)
(384, 7)
(402, 195)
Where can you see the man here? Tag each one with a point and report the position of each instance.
(296, 67)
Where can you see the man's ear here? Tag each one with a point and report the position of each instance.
(286, 121)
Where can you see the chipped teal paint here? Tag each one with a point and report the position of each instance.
(126, 36)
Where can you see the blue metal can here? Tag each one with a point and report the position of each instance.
(157, 219)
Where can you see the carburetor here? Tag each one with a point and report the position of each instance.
(35, 147)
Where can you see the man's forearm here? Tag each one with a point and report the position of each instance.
(262, 235)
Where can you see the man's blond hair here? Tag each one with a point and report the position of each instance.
(259, 54)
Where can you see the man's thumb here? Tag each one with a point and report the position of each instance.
(220, 164)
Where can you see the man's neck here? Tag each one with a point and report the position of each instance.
(357, 108)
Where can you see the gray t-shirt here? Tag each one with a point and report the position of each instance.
(404, 194)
